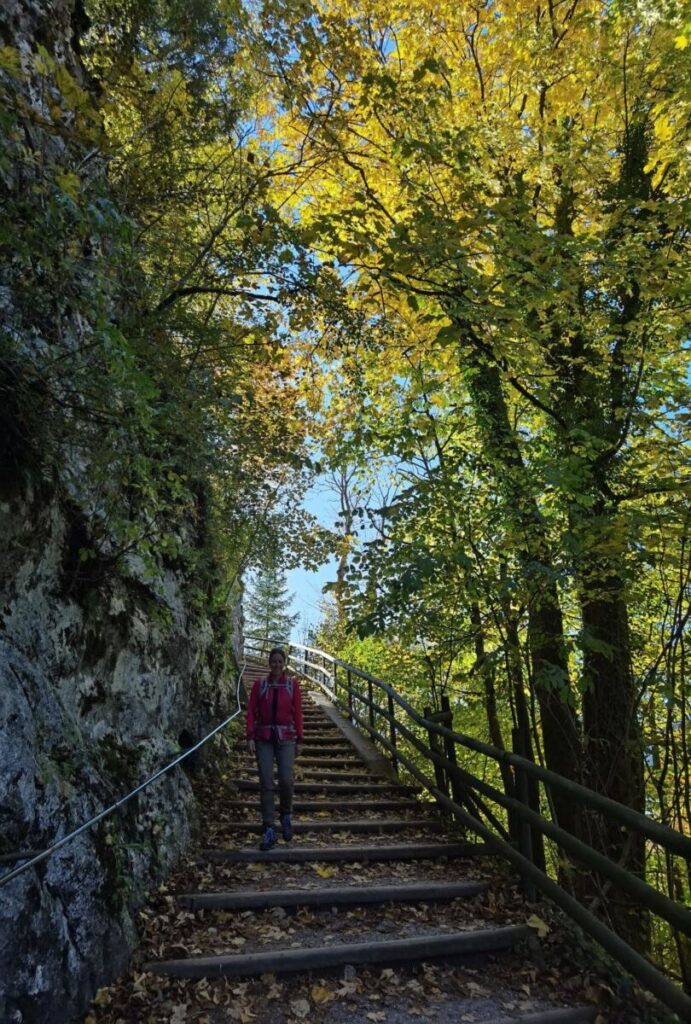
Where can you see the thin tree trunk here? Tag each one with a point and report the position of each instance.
(523, 724)
(493, 723)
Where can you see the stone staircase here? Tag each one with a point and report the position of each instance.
(366, 848)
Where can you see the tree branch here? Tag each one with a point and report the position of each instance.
(240, 293)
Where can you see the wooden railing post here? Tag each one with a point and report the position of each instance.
(525, 837)
(450, 752)
(392, 733)
(439, 773)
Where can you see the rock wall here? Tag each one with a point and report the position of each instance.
(106, 666)
(97, 689)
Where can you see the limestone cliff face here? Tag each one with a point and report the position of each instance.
(96, 689)
(107, 664)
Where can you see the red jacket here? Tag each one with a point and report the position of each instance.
(287, 724)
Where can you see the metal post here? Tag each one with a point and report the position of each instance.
(350, 695)
(370, 694)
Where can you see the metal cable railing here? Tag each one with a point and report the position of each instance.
(37, 858)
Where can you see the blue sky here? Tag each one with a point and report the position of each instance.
(305, 586)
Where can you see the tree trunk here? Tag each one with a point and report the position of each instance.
(493, 723)
(523, 725)
(613, 744)
(562, 744)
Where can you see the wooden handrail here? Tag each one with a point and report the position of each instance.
(648, 896)
(665, 836)
(645, 972)
(673, 912)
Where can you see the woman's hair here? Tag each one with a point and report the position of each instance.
(278, 650)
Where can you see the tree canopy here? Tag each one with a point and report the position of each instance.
(442, 245)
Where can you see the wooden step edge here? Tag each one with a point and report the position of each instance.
(317, 751)
(374, 788)
(555, 1015)
(421, 949)
(356, 825)
(336, 805)
(324, 767)
(333, 738)
(344, 764)
(345, 853)
(315, 775)
(338, 896)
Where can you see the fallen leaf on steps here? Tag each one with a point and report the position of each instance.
(540, 926)
(301, 1008)
(321, 994)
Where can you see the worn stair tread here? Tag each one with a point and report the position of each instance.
(329, 762)
(346, 852)
(334, 805)
(334, 738)
(358, 825)
(282, 961)
(336, 787)
(305, 826)
(326, 749)
(329, 753)
(554, 1015)
(327, 766)
(341, 896)
(329, 775)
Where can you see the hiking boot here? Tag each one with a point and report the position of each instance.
(287, 827)
(268, 838)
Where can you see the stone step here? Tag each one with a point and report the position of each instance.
(427, 949)
(346, 853)
(333, 805)
(357, 825)
(336, 896)
(337, 788)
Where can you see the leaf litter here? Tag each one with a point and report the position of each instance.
(503, 987)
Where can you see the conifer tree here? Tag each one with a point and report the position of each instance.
(267, 606)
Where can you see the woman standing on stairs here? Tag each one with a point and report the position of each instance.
(274, 733)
